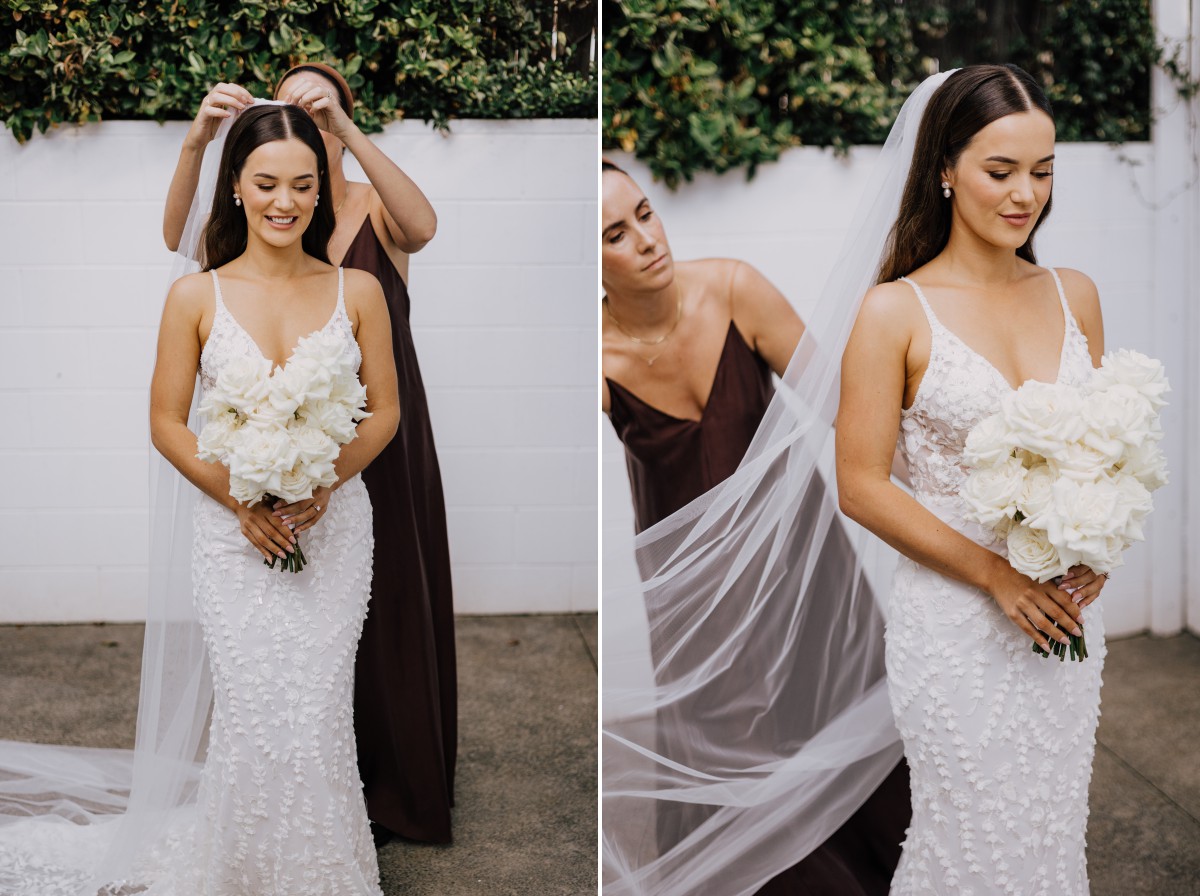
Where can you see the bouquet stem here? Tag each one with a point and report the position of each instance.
(1076, 649)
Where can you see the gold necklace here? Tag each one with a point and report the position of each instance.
(661, 339)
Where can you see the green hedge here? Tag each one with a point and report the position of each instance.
(693, 85)
(436, 60)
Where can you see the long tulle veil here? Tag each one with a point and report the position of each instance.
(761, 721)
(80, 820)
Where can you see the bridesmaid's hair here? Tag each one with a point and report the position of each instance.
(225, 234)
(969, 100)
(606, 165)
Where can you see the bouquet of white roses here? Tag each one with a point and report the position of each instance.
(1064, 473)
(280, 431)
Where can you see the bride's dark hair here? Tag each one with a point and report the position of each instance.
(225, 233)
(968, 101)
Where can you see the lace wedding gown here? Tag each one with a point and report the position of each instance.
(999, 740)
(279, 808)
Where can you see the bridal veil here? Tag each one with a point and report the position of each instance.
(761, 721)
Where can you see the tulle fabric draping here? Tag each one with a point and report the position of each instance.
(80, 821)
(761, 721)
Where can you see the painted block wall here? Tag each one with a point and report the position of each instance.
(503, 330)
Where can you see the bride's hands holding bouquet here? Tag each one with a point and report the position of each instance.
(304, 514)
(1084, 584)
(1042, 610)
(268, 533)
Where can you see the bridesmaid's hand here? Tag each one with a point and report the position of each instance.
(303, 514)
(265, 531)
(1040, 609)
(1083, 584)
(319, 99)
(217, 105)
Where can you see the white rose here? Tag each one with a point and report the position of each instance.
(1035, 490)
(350, 392)
(326, 350)
(244, 381)
(261, 456)
(1135, 505)
(1081, 517)
(992, 492)
(1083, 462)
(1030, 552)
(244, 491)
(321, 472)
(1130, 368)
(988, 442)
(294, 485)
(1146, 463)
(306, 379)
(1043, 417)
(214, 439)
(1119, 412)
(333, 419)
(314, 445)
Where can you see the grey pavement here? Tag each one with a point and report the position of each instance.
(525, 820)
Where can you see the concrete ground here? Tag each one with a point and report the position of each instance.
(525, 819)
(526, 816)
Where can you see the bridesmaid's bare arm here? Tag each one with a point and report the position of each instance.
(764, 316)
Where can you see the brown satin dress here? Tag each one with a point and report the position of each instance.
(672, 461)
(405, 683)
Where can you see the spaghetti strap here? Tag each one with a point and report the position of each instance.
(341, 300)
(1062, 295)
(217, 291)
(934, 323)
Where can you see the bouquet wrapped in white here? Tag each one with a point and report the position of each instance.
(1064, 473)
(280, 431)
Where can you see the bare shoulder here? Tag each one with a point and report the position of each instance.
(191, 294)
(892, 305)
(362, 287)
(1081, 292)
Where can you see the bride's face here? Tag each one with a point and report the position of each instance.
(634, 253)
(1003, 178)
(278, 185)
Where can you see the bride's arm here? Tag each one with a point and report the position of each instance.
(170, 399)
(874, 369)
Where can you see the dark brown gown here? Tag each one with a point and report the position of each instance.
(405, 683)
(672, 461)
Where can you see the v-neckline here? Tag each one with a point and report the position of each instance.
(731, 333)
(350, 245)
(1062, 349)
(274, 366)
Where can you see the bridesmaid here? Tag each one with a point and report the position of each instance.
(688, 352)
(405, 698)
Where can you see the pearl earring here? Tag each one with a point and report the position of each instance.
(237, 200)
(317, 201)
(946, 188)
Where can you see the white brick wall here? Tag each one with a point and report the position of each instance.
(505, 337)
(790, 221)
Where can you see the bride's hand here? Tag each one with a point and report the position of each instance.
(265, 531)
(1083, 584)
(1037, 608)
(217, 105)
(304, 514)
(318, 99)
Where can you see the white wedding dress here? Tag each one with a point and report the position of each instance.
(999, 740)
(279, 810)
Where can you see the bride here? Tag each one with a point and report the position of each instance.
(1000, 741)
(278, 807)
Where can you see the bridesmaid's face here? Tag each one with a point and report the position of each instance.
(278, 186)
(634, 253)
(1002, 180)
(333, 146)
